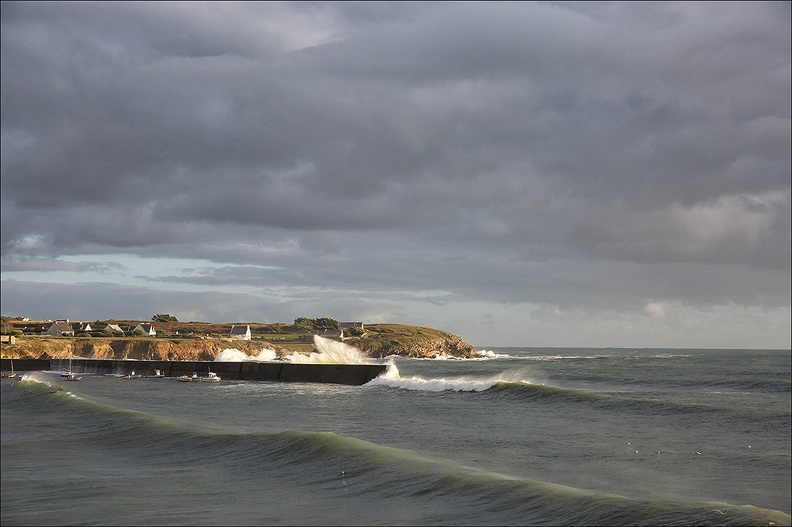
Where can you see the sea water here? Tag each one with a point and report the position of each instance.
(517, 436)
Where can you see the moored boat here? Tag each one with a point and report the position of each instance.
(211, 377)
(71, 375)
(12, 374)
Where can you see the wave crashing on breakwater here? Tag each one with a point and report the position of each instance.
(328, 352)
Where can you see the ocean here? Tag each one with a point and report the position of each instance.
(518, 436)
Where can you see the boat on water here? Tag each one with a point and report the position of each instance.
(12, 374)
(71, 375)
(211, 377)
(158, 374)
(132, 375)
(189, 378)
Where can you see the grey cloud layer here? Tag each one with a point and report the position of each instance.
(512, 151)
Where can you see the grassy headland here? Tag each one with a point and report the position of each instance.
(204, 340)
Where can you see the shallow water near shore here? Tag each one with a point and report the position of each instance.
(537, 436)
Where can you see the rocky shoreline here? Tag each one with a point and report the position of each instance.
(388, 339)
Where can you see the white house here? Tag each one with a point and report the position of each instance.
(115, 329)
(147, 329)
(81, 326)
(240, 332)
(60, 328)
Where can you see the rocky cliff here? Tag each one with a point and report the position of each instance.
(381, 340)
(124, 348)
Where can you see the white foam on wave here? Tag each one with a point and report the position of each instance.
(465, 383)
(391, 372)
(489, 354)
(46, 379)
(37, 376)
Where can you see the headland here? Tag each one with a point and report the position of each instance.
(200, 341)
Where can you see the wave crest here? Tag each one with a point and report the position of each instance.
(465, 383)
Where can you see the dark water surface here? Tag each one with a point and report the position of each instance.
(524, 436)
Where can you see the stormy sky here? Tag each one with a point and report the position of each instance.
(518, 174)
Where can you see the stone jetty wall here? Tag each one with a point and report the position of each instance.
(354, 374)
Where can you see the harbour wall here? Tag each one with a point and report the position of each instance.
(354, 374)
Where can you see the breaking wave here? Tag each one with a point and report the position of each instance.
(464, 383)
(328, 352)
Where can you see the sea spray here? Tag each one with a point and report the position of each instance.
(329, 352)
(391, 372)
(234, 355)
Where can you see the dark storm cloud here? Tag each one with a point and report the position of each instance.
(517, 152)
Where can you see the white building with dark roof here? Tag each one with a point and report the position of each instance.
(115, 329)
(147, 328)
(60, 328)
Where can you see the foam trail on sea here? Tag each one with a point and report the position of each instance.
(465, 383)
(480, 355)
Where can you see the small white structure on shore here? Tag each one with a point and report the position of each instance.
(114, 329)
(81, 326)
(60, 328)
(146, 328)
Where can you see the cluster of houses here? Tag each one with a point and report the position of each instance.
(65, 328)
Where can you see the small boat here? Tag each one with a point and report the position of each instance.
(189, 378)
(131, 376)
(212, 377)
(70, 375)
(158, 374)
(12, 374)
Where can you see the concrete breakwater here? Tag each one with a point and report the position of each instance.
(354, 374)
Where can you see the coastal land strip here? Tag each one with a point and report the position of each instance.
(199, 341)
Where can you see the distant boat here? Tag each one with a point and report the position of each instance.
(70, 375)
(158, 374)
(212, 377)
(131, 376)
(12, 374)
(189, 378)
